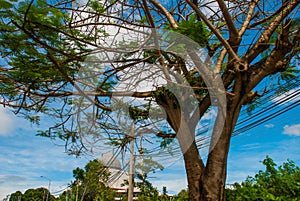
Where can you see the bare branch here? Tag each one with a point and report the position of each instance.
(260, 45)
(248, 18)
(72, 82)
(165, 12)
(145, 94)
(215, 31)
(273, 63)
(259, 22)
(220, 61)
(234, 35)
(148, 15)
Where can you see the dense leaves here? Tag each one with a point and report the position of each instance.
(40, 52)
(147, 191)
(39, 194)
(274, 183)
(194, 29)
(183, 195)
(90, 182)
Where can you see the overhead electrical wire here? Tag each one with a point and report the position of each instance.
(270, 108)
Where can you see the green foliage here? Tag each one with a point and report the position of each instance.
(162, 94)
(253, 105)
(37, 45)
(139, 112)
(38, 194)
(291, 73)
(97, 6)
(90, 182)
(153, 56)
(15, 196)
(275, 183)
(5, 5)
(194, 29)
(148, 165)
(147, 191)
(183, 195)
(143, 20)
(165, 142)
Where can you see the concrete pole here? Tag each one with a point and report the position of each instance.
(49, 183)
(76, 198)
(131, 165)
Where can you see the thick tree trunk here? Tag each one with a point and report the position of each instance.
(214, 177)
(207, 183)
(194, 169)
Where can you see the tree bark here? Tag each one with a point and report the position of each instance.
(207, 182)
(214, 176)
(194, 168)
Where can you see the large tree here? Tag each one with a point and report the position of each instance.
(103, 57)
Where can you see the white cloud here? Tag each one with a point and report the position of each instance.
(251, 146)
(269, 126)
(292, 130)
(12, 183)
(239, 176)
(173, 177)
(210, 115)
(25, 157)
(11, 178)
(174, 186)
(246, 162)
(289, 96)
(6, 122)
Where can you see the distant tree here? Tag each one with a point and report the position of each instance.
(89, 184)
(147, 190)
(274, 183)
(38, 194)
(15, 196)
(183, 195)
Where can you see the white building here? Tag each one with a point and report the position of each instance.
(118, 176)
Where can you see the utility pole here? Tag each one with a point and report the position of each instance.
(48, 194)
(131, 165)
(76, 198)
(141, 152)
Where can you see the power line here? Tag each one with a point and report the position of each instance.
(268, 105)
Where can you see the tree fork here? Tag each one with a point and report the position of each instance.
(214, 176)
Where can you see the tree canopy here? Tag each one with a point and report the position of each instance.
(274, 183)
(90, 183)
(96, 67)
(38, 194)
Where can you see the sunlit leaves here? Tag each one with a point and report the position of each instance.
(90, 182)
(291, 73)
(5, 5)
(97, 6)
(194, 29)
(39, 52)
(274, 183)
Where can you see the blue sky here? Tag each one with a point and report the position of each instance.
(25, 157)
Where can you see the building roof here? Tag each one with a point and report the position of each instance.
(110, 161)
